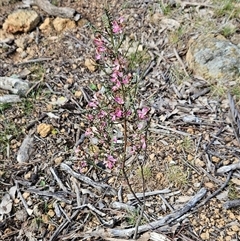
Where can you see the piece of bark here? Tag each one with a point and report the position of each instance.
(45, 5)
(228, 168)
(231, 204)
(25, 149)
(126, 233)
(123, 206)
(14, 85)
(10, 99)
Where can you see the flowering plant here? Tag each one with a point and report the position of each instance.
(117, 120)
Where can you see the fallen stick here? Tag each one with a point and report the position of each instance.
(59, 196)
(108, 190)
(231, 204)
(126, 233)
(45, 5)
(217, 191)
(14, 85)
(26, 149)
(10, 99)
(231, 167)
(147, 194)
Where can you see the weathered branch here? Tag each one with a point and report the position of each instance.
(9, 99)
(45, 5)
(231, 167)
(14, 85)
(163, 221)
(100, 186)
(25, 149)
(231, 204)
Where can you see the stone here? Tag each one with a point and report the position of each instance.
(6, 37)
(209, 185)
(214, 58)
(44, 129)
(90, 64)
(46, 26)
(205, 236)
(199, 163)
(235, 228)
(82, 22)
(78, 94)
(21, 20)
(21, 42)
(215, 159)
(61, 24)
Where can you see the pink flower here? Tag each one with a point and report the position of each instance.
(90, 117)
(119, 100)
(126, 79)
(101, 49)
(110, 161)
(92, 104)
(117, 25)
(133, 149)
(88, 132)
(98, 41)
(102, 114)
(117, 86)
(121, 19)
(144, 145)
(98, 56)
(142, 113)
(77, 150)
(82, 166)
(117, 114)
(128, 113)
(141, 125)
(114, 139)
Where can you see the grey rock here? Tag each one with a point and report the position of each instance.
(214, 57)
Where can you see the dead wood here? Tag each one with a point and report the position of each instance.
(10, 99)
(45, 5)
(217, 191)
(163, 221)
(235, 117)
(61, 196)
(104, 188)
(25, 149)
(228, 168)
(231, 204)
(123, 206)
(14, 85)
(147, 194)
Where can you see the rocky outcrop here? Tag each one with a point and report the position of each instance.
(214, 57)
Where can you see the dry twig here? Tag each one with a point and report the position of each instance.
(163, 221)
(106, 189)
(231, 204)
(45, 5)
